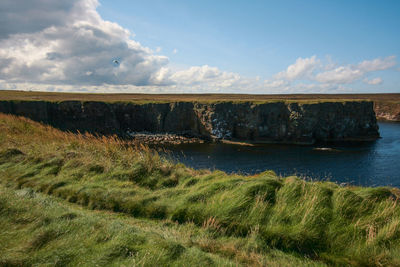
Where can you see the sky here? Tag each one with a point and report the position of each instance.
(176, 46)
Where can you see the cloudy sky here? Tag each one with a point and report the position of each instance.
(177, 46)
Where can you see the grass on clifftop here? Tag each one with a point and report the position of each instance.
(155, 212)
(203, 98)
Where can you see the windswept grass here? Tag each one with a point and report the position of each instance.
(41, 230)
(251, 220)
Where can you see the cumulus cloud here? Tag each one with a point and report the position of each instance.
(274, 84)
(302, 68)
(35, 15)
(350, 73)
(205, 74)
(327, 76)
(74, 47)
(339, 75)
(206, 79)
(377, 64)
(311, 74)
(374, 81)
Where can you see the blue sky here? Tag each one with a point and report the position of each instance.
(260, 37)
(209, 46)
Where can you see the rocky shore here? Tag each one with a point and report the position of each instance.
(163, 139)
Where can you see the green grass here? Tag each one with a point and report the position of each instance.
(212, 218)
(204, 98)
(42, 230)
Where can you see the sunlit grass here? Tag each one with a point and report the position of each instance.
(242, 219)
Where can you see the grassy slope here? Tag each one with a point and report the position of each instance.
(38, 229)
(171, 214)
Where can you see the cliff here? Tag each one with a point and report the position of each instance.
(387, 110)
(297, 122)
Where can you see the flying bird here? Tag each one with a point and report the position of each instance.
(116, 62)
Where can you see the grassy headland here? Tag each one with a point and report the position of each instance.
(86, 200)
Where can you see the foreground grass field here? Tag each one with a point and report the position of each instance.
(82, 200)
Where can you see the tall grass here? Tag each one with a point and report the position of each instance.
(310, 221)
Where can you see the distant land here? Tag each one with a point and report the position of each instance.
(57, 96)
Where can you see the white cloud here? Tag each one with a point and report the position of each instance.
(314, 71)
(175, 51)
(374, 81)
(302, 68)
(205, 75)
(325, 77)
(350, 73)
(76, 47)
(377, 64)
(18, 17)
(275, 83)
(339, 75)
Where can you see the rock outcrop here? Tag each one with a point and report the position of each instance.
(246, 121)
(387, 111)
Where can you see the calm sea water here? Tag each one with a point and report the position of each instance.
(370, 164)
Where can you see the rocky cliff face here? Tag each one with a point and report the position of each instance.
(387, 111)
(246, 121)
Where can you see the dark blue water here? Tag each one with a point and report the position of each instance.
(370, 164)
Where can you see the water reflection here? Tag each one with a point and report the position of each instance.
(373, 163)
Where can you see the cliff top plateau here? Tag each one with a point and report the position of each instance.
(52, 96)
